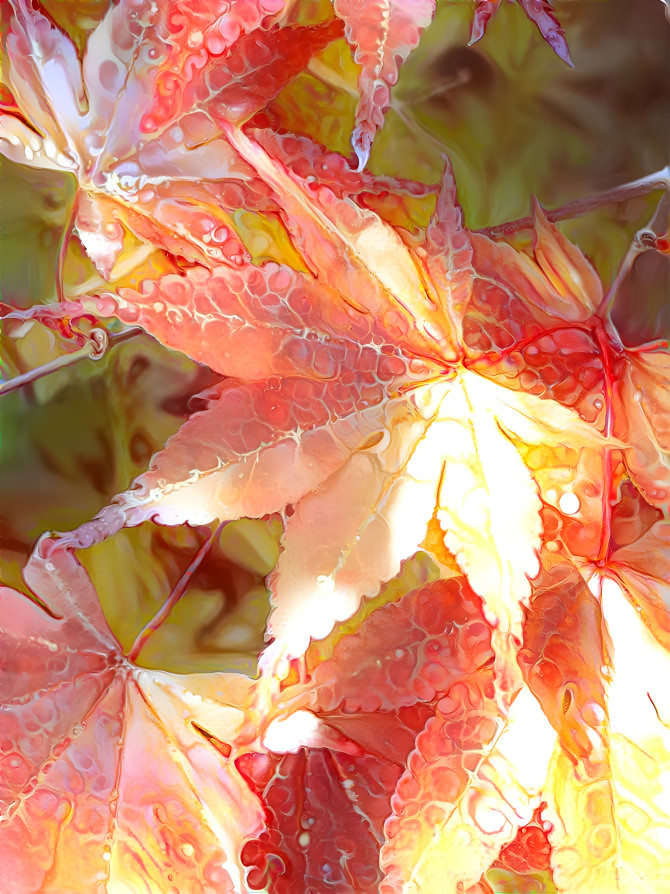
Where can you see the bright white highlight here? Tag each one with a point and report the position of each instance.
(528, 742)
(289, 734)
(641, 669)
(325, 584)
(569, 503)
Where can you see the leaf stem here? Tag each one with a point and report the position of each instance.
(175, 595)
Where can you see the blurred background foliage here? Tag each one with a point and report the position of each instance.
(516, 122)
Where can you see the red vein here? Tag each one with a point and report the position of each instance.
(608, 431)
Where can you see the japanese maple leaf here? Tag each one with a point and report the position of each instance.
(540, 13)
(353, 410)
(540, 323)
(136, 119)
(597, 671)
(109, 779)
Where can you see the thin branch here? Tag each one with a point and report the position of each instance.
(578, 207)
(644, 240)
(99, 343)
(177, 592)
(94, 349)
(658, 716)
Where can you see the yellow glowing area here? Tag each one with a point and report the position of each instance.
(612, 826)
(488, 504)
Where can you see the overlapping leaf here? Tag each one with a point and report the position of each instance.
(375, 691)
(346, 406)
(80, 726)
(469, 785)
(610, 812)
(401, 383)
(139, 114)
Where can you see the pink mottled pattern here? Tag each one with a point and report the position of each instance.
(407, 652)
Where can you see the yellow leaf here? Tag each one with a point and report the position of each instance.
(488, 502)
(471, 782)
(610, 814)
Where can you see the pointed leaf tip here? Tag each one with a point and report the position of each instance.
(361, 145)
(541, 13)
(382, 34)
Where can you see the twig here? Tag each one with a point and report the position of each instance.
(644, 240)
(177, 592)
(99, 343)
(578, 207)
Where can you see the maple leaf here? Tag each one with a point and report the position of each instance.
(81, 723)
(540, 323)
(469, 786)
(139, 114)
(376, 687)
(382, 34)
(351, 398)
(433, 389)
(540, 12)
